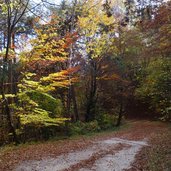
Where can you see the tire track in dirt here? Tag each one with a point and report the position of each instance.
(111, 154)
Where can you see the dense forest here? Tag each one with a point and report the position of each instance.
(82, 66)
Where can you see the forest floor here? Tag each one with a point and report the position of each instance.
(139, 145)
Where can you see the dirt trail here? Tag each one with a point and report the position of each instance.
(112, 151)
(119, 160)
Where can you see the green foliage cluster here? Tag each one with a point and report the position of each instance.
(37, 109)
(155, 88)
(39, 118)
(80, 128)
(106, 121)
(47, 102)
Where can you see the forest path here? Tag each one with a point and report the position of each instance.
(111, 154)
(109, 151)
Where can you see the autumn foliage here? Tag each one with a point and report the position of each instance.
(85, 65)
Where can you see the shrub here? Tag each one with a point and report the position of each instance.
(106, 121)
(47, 102)
(92, 126)
(75, 128)
(80, 128)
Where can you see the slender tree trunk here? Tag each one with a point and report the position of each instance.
(91, 99)
(5, 100)
(76, 116)
(120, 113)
(14, 78)
(69, 102)
(10, 76)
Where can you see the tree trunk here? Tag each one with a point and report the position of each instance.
(91, 99)
(120, 113)
(5, 100)
(76, 116)
(68, 106)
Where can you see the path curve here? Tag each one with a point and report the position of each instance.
(106, 151)
(113, 154)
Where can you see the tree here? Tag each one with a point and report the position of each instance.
(95, 27)
(13, 11)
(154, 86)
(139, 10)
(43, 75)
